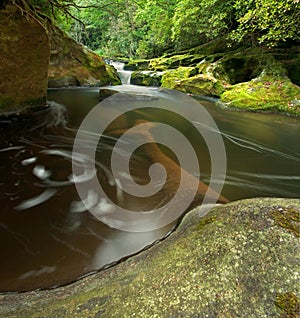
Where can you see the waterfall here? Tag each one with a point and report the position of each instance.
(123, 74)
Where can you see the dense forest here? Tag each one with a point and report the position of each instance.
(146, 29)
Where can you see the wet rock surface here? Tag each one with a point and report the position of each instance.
(240, 260)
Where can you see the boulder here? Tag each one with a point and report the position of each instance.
(240, 260)
(135, 65)
(264, 93)
(106, 92)
(72, 64)
(198, 80)
(146, 78)
(24, 59)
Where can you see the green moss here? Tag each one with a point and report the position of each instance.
(289, 303)
(288, 218)
(172, 77)
(175, 61)
(146, 78)
(6, 102)
(135, 65)
(264, 93)
(184, 79)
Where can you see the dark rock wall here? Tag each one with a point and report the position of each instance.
(23, 77)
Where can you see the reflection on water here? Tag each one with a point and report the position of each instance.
(47, 235)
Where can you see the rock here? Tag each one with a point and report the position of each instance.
(264, 93)
(175, 61)
(106, 92)
(194, 80)
(72, 64)
(240, 260)
(135, 65)
(241, 79)
(63, 82)
(244, 66)
(24, 58)
(146, 78)
(290, 58)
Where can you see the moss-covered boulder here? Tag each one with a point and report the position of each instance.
(214, 69)
(240, 260)
(198, 80)
(135, 65)
(146, 78)
(175, 61)
(243, 66)
(264, 93)
(24, 59)
(72, 64)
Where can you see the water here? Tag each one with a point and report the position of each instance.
(124, 75)
(48, 239)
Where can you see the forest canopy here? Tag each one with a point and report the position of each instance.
(149, 28)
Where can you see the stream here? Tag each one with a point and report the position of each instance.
(48, 238)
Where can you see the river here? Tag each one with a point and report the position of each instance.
(48, 239)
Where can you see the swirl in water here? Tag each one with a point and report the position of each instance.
(166, 176)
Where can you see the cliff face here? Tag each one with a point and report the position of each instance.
(24, 59)
(72, 64)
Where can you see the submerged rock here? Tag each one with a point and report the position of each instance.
(240, 260)
(106, 92)
(24, 58)
(72, 64)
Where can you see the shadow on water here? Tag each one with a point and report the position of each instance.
(47, 236)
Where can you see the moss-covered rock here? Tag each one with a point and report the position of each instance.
(237, 261)
(212, 70)
(24, 58)
(175, 61)
(146, 78)
(135, 65)
(197, 80)
(244, 66)
(72, 64)
(264, 93)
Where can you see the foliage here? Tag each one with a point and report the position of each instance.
(197, 21)
(145, 29)
(267, 21)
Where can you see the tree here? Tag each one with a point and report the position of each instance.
(154, 22)
(149, 28)
(197, 21)
(268, 22)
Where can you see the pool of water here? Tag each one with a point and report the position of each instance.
(48, 238)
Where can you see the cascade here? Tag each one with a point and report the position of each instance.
(123, 74)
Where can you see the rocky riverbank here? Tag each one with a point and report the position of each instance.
(240, 260)
(248, 78)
